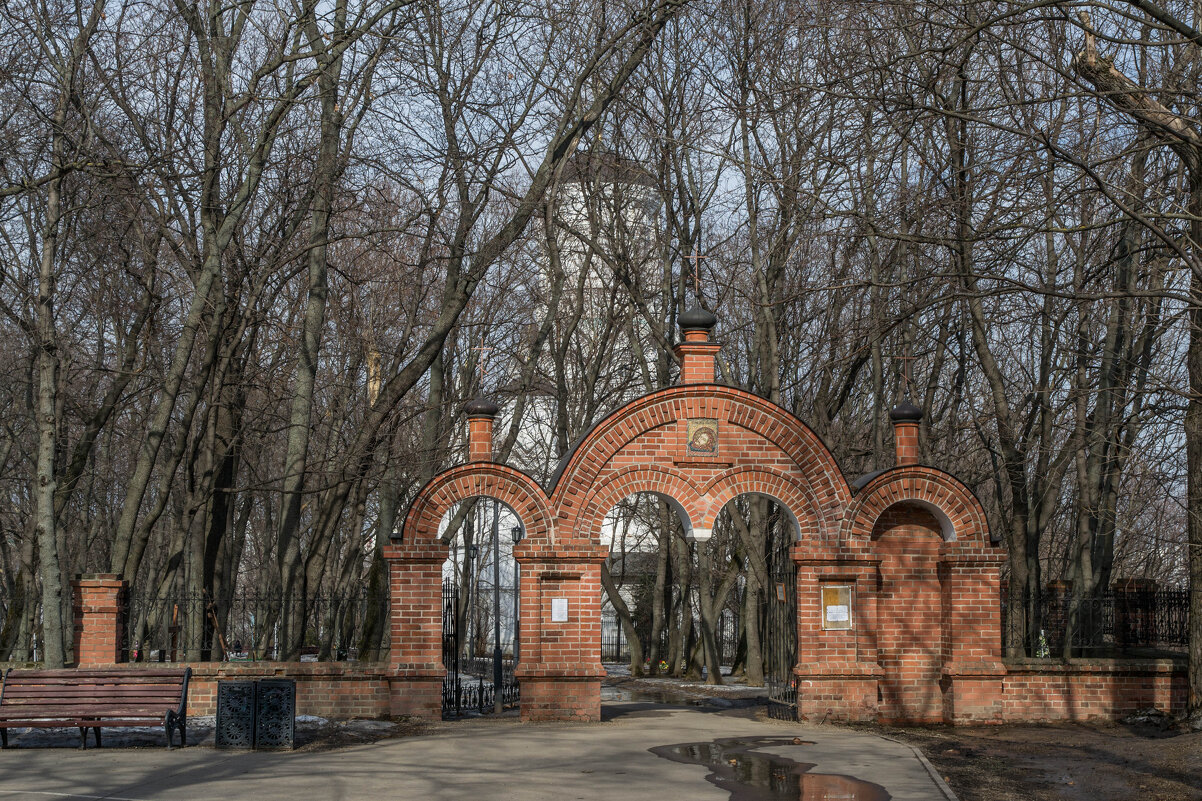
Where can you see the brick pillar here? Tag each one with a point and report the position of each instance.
(99, 623)
(906, 418)
(560, 664)
(696, 352)
(481, 414)
(973, 672)
(837, 669)
(415, 621)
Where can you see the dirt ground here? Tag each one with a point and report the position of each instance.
(1137, 761)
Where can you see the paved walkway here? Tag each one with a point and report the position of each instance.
(503, 759)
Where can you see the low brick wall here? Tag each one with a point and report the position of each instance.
(1091, 689)
(329, 690)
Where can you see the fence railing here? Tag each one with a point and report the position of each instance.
(1111, 623)
(615, 647)
(249, 627)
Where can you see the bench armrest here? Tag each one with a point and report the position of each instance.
(182, 712)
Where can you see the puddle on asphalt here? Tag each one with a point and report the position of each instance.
(750, 776)
(609, 693)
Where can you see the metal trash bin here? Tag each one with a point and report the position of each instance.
(256, 714)
(235, 714)
(275, 714)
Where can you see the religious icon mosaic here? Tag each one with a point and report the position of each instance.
(702, 436)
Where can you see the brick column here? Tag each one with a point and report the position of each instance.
(560, 664)
(416, 671)
(99, 623)
(973, 673)
(837, 669)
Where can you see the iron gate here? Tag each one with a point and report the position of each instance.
(464, 688)
(780, 627)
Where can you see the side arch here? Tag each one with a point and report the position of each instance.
(682, 494)
(419, 532)
(797, 499)
(961, 517)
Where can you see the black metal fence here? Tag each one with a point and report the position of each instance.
(615, 646)
(1113, 623)
(248, 627)
(18, 643)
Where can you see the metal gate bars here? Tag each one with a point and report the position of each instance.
(780, 623)
(464, 688)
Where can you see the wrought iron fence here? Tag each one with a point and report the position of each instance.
(17, 642)
(248, 627)
(615, 647)
(1115, 622)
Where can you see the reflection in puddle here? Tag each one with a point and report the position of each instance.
(750, 776)
(654, 696)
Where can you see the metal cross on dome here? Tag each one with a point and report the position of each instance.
(905, 360)
(696, 259)
(482, 349)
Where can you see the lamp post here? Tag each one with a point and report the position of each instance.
(516, 533)
(473, 551)
(496, 606)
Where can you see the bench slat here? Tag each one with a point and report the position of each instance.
(101, 672)
(92, 701)
(90, 692)
(62, 723)
(68, 681)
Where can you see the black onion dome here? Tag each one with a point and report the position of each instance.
(481, 407)
(697, 319)
(905, 412)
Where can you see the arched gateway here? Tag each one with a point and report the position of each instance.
(897, 585)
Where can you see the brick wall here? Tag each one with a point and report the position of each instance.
(328, 690)
(1091, 689)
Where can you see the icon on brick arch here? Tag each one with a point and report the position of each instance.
(701, 436)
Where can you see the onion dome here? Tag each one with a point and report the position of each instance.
(905, 412)
(697, 319)
(481, 407)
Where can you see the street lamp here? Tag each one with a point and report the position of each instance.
(496, 606)
(473, 552)
(516, 533)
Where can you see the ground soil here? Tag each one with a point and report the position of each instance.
(1136, 761)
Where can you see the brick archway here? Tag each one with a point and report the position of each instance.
(511, 487)
(959, 514)
(701, 445)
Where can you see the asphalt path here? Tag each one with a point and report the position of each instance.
(640, 751)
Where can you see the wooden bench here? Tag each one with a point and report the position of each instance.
(91, 699)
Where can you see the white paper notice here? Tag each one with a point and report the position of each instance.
(837, 614)
(559, 610)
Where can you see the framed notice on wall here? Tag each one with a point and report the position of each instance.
(836, 606)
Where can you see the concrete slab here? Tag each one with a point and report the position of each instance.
(484, 758)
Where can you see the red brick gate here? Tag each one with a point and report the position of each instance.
(897, 584)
